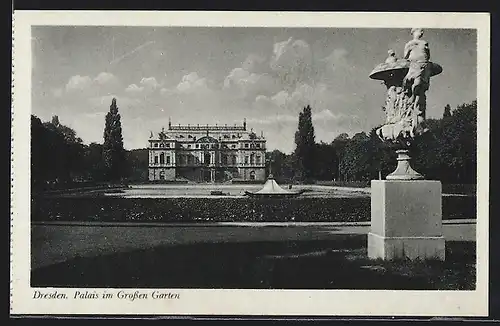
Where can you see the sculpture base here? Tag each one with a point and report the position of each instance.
(404, 171)
(405, 247)
(406, 220)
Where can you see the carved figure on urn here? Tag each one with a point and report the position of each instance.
(417, 80)
(406, 79)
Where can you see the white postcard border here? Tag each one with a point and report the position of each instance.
(241, 302)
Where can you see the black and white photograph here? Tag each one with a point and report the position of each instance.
(164, 159)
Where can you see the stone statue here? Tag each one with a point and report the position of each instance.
(407, 79)
(392, 57)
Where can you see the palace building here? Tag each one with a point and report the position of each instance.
(207, 153)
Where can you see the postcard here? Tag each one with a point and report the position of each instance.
(250, 163)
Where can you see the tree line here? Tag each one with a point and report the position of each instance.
(447, 152)
(59, 158)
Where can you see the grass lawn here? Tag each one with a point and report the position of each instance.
(337, 263)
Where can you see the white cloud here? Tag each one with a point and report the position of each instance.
(302, 95)
(150, 82)
(254, 63)
(166, 92)
(103, 83)
(106, 78)
(247, 84)
(327, 115)
(192, 83)
(78, 83)
(134, 89)
(292, 62)
(148, 85)
(280, 99)
(337, 59)
(57, 92)
(278, 118)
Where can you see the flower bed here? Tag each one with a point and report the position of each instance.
(115, 209)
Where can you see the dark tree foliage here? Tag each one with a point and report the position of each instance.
(447, 152)
(384, 157)
(281, 166)
(357, 162)
(137, 164)
(95, 169)
(325, 163)
(56, 154)
(339, 144)
(113, 151)
(305, 146)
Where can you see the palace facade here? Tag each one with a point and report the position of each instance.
(207, 153)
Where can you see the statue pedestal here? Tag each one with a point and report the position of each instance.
(406, 220)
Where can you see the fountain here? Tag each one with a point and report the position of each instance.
(406, 216)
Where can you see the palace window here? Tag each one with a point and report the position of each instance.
(156, 144)
(156, 159)
(234, 160)
(224, 159)
(167, 145)
(189, 146)
(252, 159)
(257, 145)
(246, 145)
(162, 158)
(168, 159)
(197, 145)
(257, 159)
(233, 146)
(234, 136)
(246, 159)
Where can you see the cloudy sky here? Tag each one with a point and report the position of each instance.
(222, 75)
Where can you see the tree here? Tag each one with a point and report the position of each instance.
(448, 151)
(384, 156)
(56, 154)
(357, 162)
(305, 145)
(447, 111)
(280, 165)
(113, 151)
(339, 144)
(137, 164)
(55, 121)
(94, 165)
(325, 167)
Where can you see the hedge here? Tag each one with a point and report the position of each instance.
(116, 209)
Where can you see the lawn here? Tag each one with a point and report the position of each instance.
(336, 263)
